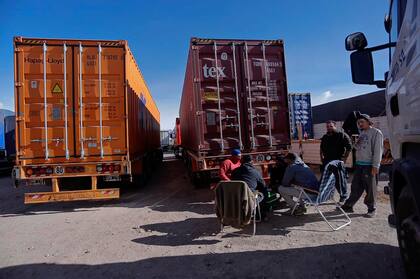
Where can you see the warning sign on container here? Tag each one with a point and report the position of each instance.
(57, 89)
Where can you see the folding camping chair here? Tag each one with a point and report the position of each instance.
(324, 196)
(233, 192)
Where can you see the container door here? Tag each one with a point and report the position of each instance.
(44, 101)
(99, 98)
(265, 97)
(219, 97)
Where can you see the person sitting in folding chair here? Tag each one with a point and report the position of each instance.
(297, 173)
(253, 178)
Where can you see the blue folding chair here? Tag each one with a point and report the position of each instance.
(325, 196)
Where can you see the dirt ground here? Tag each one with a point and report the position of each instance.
(168, 229)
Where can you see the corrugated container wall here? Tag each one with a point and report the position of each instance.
(73, 80)
(234, 96)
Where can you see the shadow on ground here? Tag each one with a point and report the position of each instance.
(356, 260)
(168, 190)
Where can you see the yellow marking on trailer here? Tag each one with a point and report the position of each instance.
(57, 89)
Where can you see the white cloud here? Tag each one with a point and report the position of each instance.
(327, 95)
(338, 92)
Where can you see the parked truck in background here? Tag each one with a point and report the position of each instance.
(10, 141)
(234, 96)
(166, 140)
(402, 84)
(177, 139)
(83, 112)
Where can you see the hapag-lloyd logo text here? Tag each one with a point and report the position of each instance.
(213, 71)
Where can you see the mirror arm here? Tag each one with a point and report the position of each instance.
(380, 47)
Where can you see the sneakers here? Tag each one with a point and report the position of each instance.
(370, 214)
(347, 208)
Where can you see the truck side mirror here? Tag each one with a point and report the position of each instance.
(362, 70)
(362, 67)
(356, 41)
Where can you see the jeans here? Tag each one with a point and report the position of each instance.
(288, 193)
(363, 181)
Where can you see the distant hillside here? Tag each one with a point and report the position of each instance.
(3, 114)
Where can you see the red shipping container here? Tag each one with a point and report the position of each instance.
(234, 96)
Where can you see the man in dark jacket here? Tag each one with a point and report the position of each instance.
(253, 178)
(335, 145)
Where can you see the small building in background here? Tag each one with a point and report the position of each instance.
(372, 104)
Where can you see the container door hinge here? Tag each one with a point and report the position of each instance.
(18, 49)
(200, 112)
(196, 80)
(19, 84)
(20, 118)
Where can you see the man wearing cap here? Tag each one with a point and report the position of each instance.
(228, 165)
(369, 148)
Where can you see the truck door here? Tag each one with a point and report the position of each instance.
(44, 101)
(265, 95)
(99, 101)
(219, 96)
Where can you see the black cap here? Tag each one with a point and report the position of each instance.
(247, 158)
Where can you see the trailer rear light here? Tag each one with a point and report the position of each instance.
(108, 168)
(268, 158)
(210, 163)
(29, 172)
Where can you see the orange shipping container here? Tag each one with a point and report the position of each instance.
(83, 109)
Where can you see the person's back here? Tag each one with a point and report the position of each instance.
(247, 173)
(300, 174)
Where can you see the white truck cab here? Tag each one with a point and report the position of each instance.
(402, 84)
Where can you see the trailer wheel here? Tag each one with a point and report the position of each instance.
(408, 225)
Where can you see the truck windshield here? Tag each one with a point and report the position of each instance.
(397, 10)
(397, 16)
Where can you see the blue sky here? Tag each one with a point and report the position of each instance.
(158, 33)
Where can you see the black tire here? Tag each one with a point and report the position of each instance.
(407, 219)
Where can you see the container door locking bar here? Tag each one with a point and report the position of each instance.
(82, 149)
(222, 144)
(66, 134)
(45, 102)
(238, 111)
(100, 100)
(266, 73)
(249, 96)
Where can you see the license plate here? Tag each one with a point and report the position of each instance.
(31, 182)
(110, 178)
